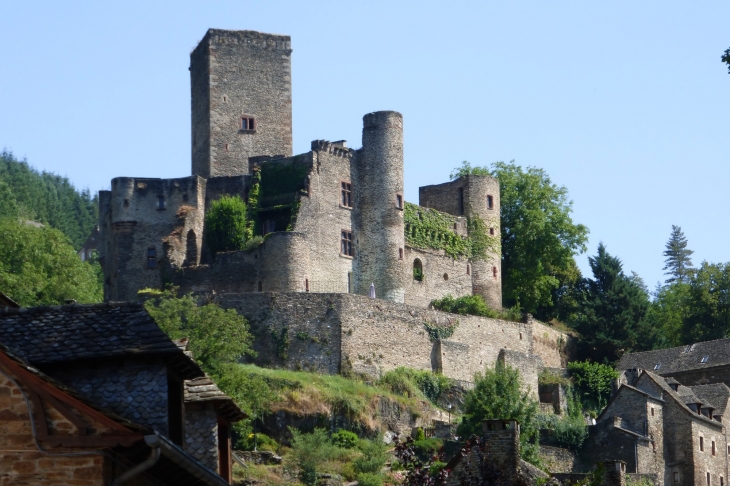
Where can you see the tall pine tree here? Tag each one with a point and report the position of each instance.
(611, 307)
(678, 262)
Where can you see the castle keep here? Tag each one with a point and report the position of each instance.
(334, 218)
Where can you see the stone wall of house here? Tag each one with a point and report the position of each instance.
(718, 374)
(712, 457)
(237, 74)
(201, 434)
(22, 463)
(137, 393)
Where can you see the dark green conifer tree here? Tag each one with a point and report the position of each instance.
(611, 307)
(678, 262)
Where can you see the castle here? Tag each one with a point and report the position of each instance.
(334, 219)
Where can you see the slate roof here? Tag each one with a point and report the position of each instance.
(6, 301)
(682, 358)
(202, 390)
(715, 395)
(61, 334)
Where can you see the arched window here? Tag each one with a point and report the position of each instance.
(191, 252)
(418, 270)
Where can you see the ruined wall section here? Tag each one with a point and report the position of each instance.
(474, 196)
(248, 76)
(554, 347)
(380, 236)
(146, 221)
(323, 217)
(442, 275)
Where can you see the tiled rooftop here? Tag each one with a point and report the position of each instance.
(683, 358)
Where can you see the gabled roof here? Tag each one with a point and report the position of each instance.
(63, 334)
(682, 358)
(716, 395)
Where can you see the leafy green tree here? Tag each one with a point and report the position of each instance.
(38, 266)
(216, 336)
(662, 325)
(726, 59)
(610, 309)
(49, 199)
(498, 394)
(373, 459)
(309, 452)
(225, 224)
(592, 382)
(539, 238)
(8, 206)
(678, 262)
(708, 303)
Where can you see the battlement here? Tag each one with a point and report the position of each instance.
(338, 149)
(253, 38)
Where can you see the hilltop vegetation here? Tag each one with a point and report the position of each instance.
(47, 198)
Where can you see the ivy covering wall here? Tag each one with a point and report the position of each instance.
(428, 228)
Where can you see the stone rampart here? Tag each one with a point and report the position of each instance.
(332, 333)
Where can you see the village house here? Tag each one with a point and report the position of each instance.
(91, 394)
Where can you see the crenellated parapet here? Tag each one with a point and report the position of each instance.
(337, 149)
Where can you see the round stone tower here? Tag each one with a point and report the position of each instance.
(482, 199)
(378, 190)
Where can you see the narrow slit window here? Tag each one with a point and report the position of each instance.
(490, 202)
(151, 257)
(160, 202)
(306, 285)
(346, 247)
(491, 231)
(494, 272)
(399, 201)
(400, 253)
(713, 447)
(468, 269)
(702, 444)
(676, 477)
(346, 191)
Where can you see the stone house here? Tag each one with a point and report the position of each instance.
(662, 428)
(125, 377)
(334, 218)
(694, 364)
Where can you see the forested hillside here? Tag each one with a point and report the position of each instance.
(46, 197)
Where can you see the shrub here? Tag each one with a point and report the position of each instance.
(414, 383)
(309, 452)
(253, 242)
(420, 435)
(345, 438)
(225, 224)
(593, 381)
(436, 467)
(571, 432)
(476, 306)
(263, 443)
(374, 456)
(428, 447)
(369, 479)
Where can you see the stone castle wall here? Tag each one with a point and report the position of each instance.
(237, 74)
(442, 275)
(332, 333)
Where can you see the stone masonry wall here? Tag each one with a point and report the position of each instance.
(442, 275)
(322, 217)
(248, 75)
(20, 461)
(135, 223)
(201, 434)
(552, 345)
(332, 332)
(137, 393)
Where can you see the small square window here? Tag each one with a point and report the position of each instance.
(346, 193)
(346, 246)
(490, 202)
(248, 123)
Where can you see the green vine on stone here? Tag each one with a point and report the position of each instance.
(436, 332)
(282, 342)
(253, 203)
(428, 228)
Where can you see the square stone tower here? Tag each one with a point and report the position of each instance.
(240, 85)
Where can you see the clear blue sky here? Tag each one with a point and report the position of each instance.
(624, 103)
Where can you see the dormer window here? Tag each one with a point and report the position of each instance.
(704, 359)
(248, 123)
(688, 348)
(657, 366)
